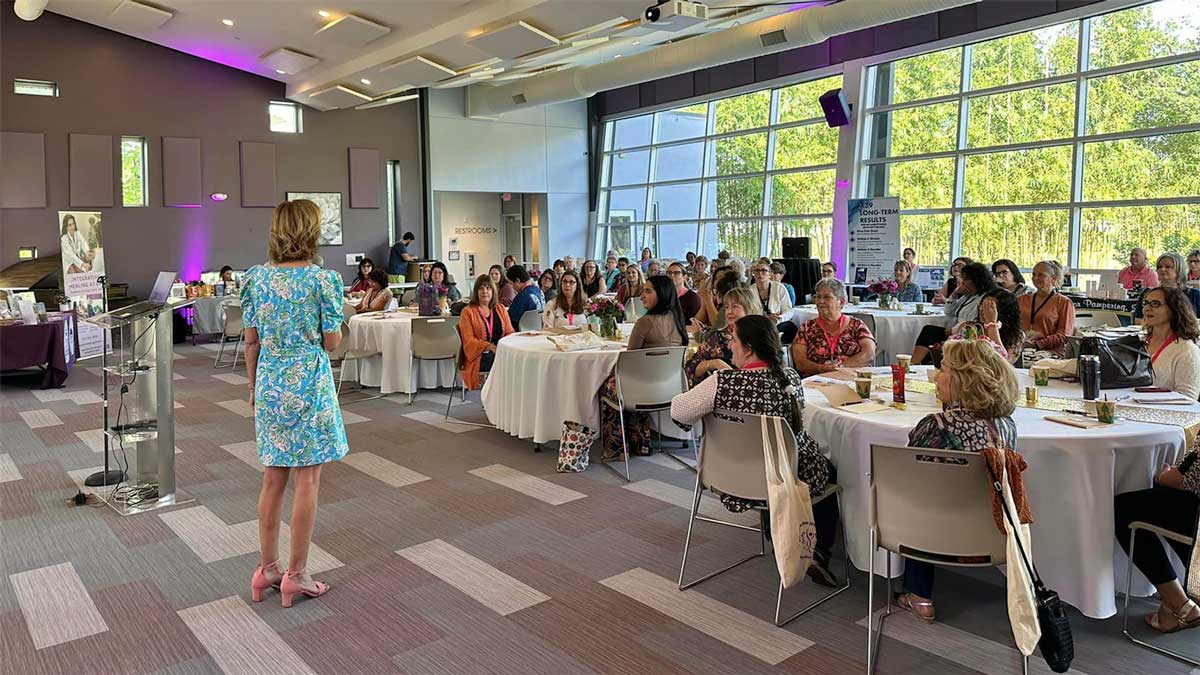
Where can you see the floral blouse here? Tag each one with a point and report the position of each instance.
(716, 346)
(958, 429)
(816, 344)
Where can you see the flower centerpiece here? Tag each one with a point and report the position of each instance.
(609, 311)
(886, 290)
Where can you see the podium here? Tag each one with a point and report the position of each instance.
(139, 419)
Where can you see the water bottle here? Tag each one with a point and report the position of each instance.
(1089, 376)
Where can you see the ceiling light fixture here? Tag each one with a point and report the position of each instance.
(280, 71)
(323, 14)
(227, 22)
(365, 81)
(617, 56)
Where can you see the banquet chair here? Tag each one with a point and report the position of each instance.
(233, 328)
(408, 297)
(647, 380)
(435, 338)
(343, 355)
(392, 304)
(531, 320)
(1165, 534)
(951, 526)
(869, 320)
(731, 462)
(634, 309)
(1096, 317)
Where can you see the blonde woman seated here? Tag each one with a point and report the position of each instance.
(978, 388)
(760, 385)
(631, 284)
(377, 296)
(714, 353)
(833, 340)
(662, 326)
(482, 325)
(568, 309)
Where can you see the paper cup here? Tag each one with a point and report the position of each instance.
(1106, 411)
(862, 385)
(1031, 396)
(920, 308)
(904, 361)
(1041, 377)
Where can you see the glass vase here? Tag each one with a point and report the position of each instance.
(608, 327)
(886, 301)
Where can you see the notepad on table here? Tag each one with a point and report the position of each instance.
(1077, 421)
(1163, 398)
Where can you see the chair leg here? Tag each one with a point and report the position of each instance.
(1125, 613)
(624, 446)
(687, 542)
(691, 440)
(823, 598)
(450, 398)
(220, 351)
(237, 346)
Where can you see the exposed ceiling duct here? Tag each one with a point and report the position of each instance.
(765, 36)
(29, 9)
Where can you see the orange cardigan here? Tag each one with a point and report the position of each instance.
(473, 331)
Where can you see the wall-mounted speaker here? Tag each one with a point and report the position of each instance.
(837, 110)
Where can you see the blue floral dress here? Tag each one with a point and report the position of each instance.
(297, 420)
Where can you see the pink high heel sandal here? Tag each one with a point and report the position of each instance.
(299, 583)
(265, 577)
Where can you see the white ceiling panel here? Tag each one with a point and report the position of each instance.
(339, 97)
(289, 61)
(513, 40)
(352, 31)
(417, 71)
(134, 16)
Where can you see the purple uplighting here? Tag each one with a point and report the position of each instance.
(839, 246)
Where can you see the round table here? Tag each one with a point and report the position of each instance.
(533, 388)
(392, 370)
(895, 331)
(208, 314)
(1072, 478)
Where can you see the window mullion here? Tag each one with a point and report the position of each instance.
(960, 161)
(1075, 231)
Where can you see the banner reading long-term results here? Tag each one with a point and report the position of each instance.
(874, 230)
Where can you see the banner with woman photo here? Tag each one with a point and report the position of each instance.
(82, 250)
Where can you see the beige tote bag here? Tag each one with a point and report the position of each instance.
(793, 530)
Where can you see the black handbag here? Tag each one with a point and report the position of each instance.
(1124, 364)
(1056, 643)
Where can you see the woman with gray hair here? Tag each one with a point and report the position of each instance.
(832, 340)
(1047, 316)
(1172, 273)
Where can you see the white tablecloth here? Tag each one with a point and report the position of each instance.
(1072, 478)
(393, 370)
(208, 317)
(895, 331)
(533, 387)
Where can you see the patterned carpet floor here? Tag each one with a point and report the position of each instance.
(451, 549)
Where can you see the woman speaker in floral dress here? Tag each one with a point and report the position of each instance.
(293, 315)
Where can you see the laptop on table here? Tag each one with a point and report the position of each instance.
(158, 298)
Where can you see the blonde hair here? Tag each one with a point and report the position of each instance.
(746, 297)
(985, 381)
(295, 231)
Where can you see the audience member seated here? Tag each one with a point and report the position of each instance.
(568, 309)
(1138, 273)
(529, 296)
(760, 385)
(439, 283)
(906, 289)
(910, 257)
(778, 271)
(1047, 316)
(559, 267)
(509, 261)
(569, 264)
(611, 273)
(632, 285)
(690, 258)
(1193, 263)
(655, 268)
(662, 326)
(1169, 267)
(774, 298)
(481, 326)
(377, 296)
(712, 315)
(978, 391)
(948, 288)
(505, 290)
(1008, 276)
(962, 306)
(360, 281)
(1171, 332)
(1000, 322)
(738, 302)
(646, 259)
(689, 301)
(622, 265)
(1172, 504)
(548, 285)
(829, 270)
(593, 283)
(832, 340)
(698, 273)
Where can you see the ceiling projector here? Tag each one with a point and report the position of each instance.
(675, 15)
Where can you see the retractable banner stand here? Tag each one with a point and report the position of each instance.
(81, 236)
(874, 229)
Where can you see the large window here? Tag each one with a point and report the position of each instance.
(737, 173)
(1072, 142)
(133, 171)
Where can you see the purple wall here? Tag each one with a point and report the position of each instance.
(860, 44)
(114, 84)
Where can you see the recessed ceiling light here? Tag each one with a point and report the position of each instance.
(365, 81)
(227, 22)
(637, 42)
(280, 71)
(323, 14)
(617, 56)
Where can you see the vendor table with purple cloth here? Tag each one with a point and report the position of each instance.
(43, 345)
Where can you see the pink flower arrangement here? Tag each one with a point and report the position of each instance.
(884, 287)
(606, 308)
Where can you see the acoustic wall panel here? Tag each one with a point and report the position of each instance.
(365, 178)
(22, 170)
(258, 174)
(91, 170)
(182, 173)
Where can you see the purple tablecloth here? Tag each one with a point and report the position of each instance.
(41, 345)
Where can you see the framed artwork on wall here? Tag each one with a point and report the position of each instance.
(331, 214)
